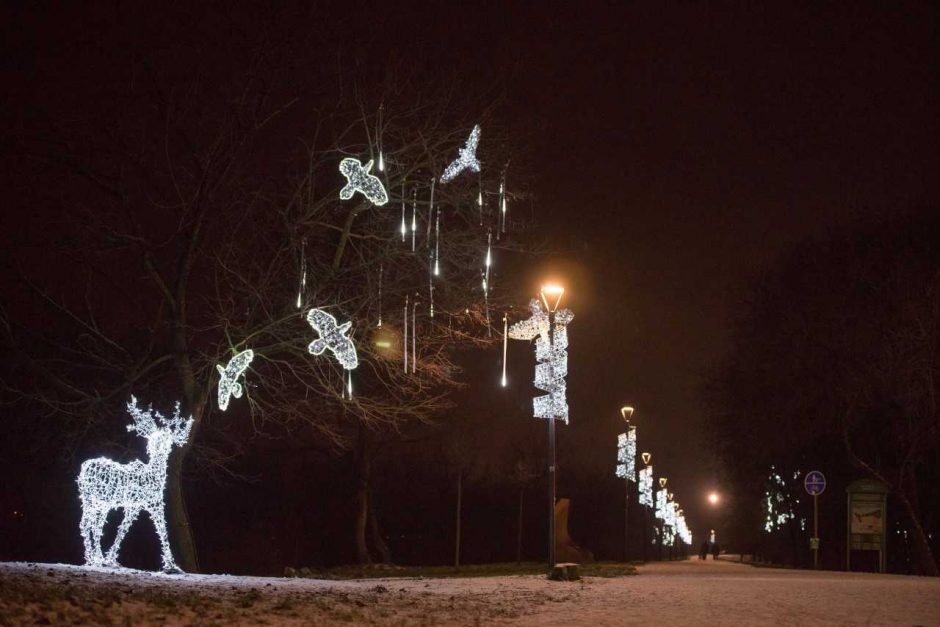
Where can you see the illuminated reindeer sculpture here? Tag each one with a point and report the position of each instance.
(104, 485)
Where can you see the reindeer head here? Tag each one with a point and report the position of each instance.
(161, 433)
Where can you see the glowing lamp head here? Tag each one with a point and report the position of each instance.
(646, 458)
(626, 412)
(713, 498)
(662, 482)
(551, 296)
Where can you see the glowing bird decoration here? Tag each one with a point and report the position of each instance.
(646, 486)
(105, 485)
(466, 159)
(552, 359)
(332, 337)
(229, 375)
(359, 180)
(626, 455)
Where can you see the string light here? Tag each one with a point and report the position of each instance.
(437, 242)
(552, 360)
(662, 502)
(626, 455)
(332, 337)
(228, 377)
(466, 159)
(646, 486)
(359, 180)
(777, 507)
(105, 485)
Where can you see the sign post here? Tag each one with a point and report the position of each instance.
(867, 523)
(815, 484)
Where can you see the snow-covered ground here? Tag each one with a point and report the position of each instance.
(686, 593)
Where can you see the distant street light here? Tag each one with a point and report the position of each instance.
(713, 498)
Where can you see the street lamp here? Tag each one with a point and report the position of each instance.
(626, 455)
(551, 296)
(645, 489)
(713, 498)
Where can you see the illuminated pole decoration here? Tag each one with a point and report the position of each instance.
(105, 485)
(229, 375)
(645, 488)
(659, 512)
(549, 329)
(359, 180)
(466, 159)
(626, 470)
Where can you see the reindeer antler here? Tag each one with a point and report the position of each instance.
(144, 423)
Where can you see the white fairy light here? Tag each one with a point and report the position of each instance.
(778, 509)
(359, 180)
(105, 485)
(626, 455)
(332, 337)
(228, 377)
(467, 158)
(381, 272)
(437, 243)
(552, 360)
(646, 486)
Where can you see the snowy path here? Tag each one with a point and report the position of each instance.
(672, 593)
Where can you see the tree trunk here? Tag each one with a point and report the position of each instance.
(459, 505)
(177, 518)
(519, 526)
(378, 542)
(363, 468)
(923, 556)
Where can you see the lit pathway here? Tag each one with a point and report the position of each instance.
(693, 592)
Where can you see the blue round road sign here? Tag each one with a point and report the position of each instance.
(814, 482)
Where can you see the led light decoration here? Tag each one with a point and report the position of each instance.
(552, 360)
(381, 272)
(332, 337)
(626, 455)
(467, 158)
(359, 180)
(505, 381)
(228, 377)
(414, 218)
(404, 225)
(105, 485)
(646, 486)
(778, 506)
(303, 275)
(662, 504)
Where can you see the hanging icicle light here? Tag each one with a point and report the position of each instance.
(414, 336)
(414, 218)
(303, 274)
(504, 381)
(405, 331)
(381, 272)
(378, 134)
(404, 226)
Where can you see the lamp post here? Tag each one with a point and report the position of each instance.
(551, 297)
(647, 472)
(661, 509)
(626, 412)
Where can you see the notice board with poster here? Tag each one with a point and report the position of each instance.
(867, 514)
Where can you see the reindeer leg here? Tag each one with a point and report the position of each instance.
(129, 518)
(87, 527)
(159, 521)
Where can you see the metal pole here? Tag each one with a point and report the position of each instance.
(816, 531)
(645, 535)
(551, 454)
(626, 518)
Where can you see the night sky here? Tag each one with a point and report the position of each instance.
(672, 152)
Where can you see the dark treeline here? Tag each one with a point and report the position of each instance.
(834, 367)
